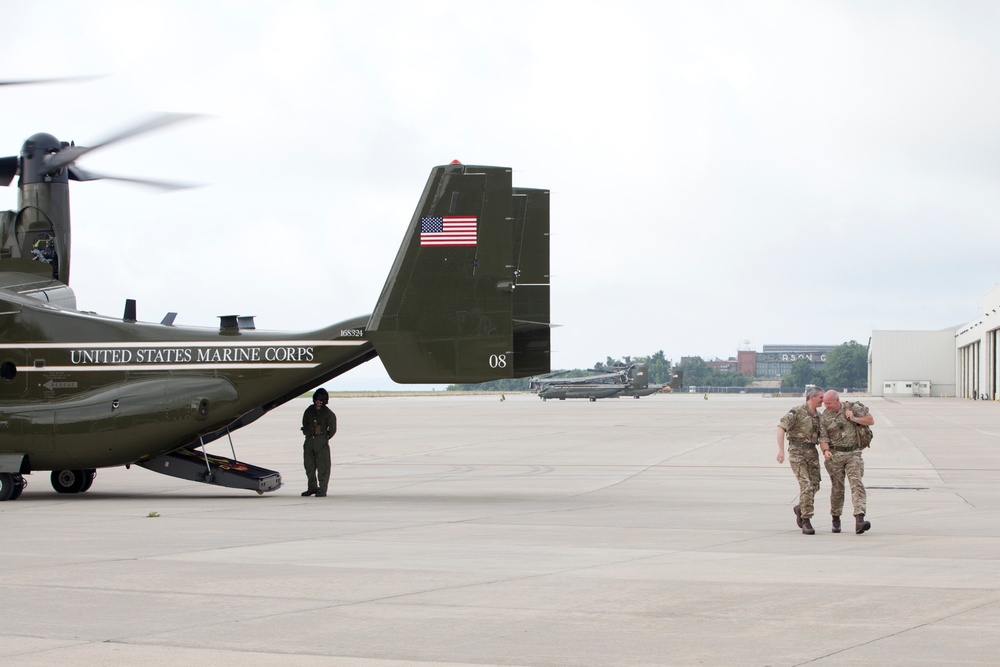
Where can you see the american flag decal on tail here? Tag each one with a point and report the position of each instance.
(448, 230)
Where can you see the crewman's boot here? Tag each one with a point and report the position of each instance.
(860, 525)
(807, 527)
(798, 516)
(836, 524)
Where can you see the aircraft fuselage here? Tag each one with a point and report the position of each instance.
(591, 391)
(644, 391)
(95, 392)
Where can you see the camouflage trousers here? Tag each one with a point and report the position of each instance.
(851, 466)
(805, 467)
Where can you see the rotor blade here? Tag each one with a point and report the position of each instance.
(8, 169)
(68, 79)
(78, 174)
(72, 153)
(154, 123)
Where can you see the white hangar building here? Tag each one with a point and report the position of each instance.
(958, 361)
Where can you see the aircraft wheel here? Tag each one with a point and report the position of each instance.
(69, 481)
(19, 484)
(592, 399)
(90, 474)
(7, 486)
(635, 397)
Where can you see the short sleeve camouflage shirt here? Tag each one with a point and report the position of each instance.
(800, 425)
(835, 427)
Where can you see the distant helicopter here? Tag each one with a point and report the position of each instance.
(631, 380)
(466, 300)
(559, 378)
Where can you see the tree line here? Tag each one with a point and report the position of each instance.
(846, 366)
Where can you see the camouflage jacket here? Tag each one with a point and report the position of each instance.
(319, 423)
(800, 425)
(835, 428)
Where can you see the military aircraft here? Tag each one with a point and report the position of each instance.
(466, 300)
(639, 386)
(559, 378)
(632, 380)
(592, 391)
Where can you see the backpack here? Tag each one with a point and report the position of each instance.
(865, 434)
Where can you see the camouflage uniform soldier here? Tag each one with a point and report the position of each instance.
(319, 424)
(801, 424)
(838, 439)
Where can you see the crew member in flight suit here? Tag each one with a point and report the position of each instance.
(319, 424)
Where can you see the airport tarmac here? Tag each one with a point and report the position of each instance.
(466, 530)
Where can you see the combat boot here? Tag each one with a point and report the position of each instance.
(807, 527)
(860, 525)
(836, 524)
(798, 516)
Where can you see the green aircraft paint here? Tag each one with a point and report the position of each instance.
(466, 300)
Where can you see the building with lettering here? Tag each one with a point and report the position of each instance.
(775, 361)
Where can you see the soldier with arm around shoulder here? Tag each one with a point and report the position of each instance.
(801, 426)
(842, 451)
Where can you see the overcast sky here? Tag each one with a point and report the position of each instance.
(723, 174)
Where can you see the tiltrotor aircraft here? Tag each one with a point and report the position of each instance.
(466, 300)
(632, 381)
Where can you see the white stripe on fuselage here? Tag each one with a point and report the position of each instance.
(182, 355)
(184, 343)
(165, 367)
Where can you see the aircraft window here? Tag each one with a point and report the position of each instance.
(43, 249)
(8, 370)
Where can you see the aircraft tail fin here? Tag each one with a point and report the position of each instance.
(532, 328)
(639, 376)
(677, 380)
(453, 309)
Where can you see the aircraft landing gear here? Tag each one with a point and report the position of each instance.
(73, 481)
(11, 486)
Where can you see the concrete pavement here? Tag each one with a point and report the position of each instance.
(465, 530)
